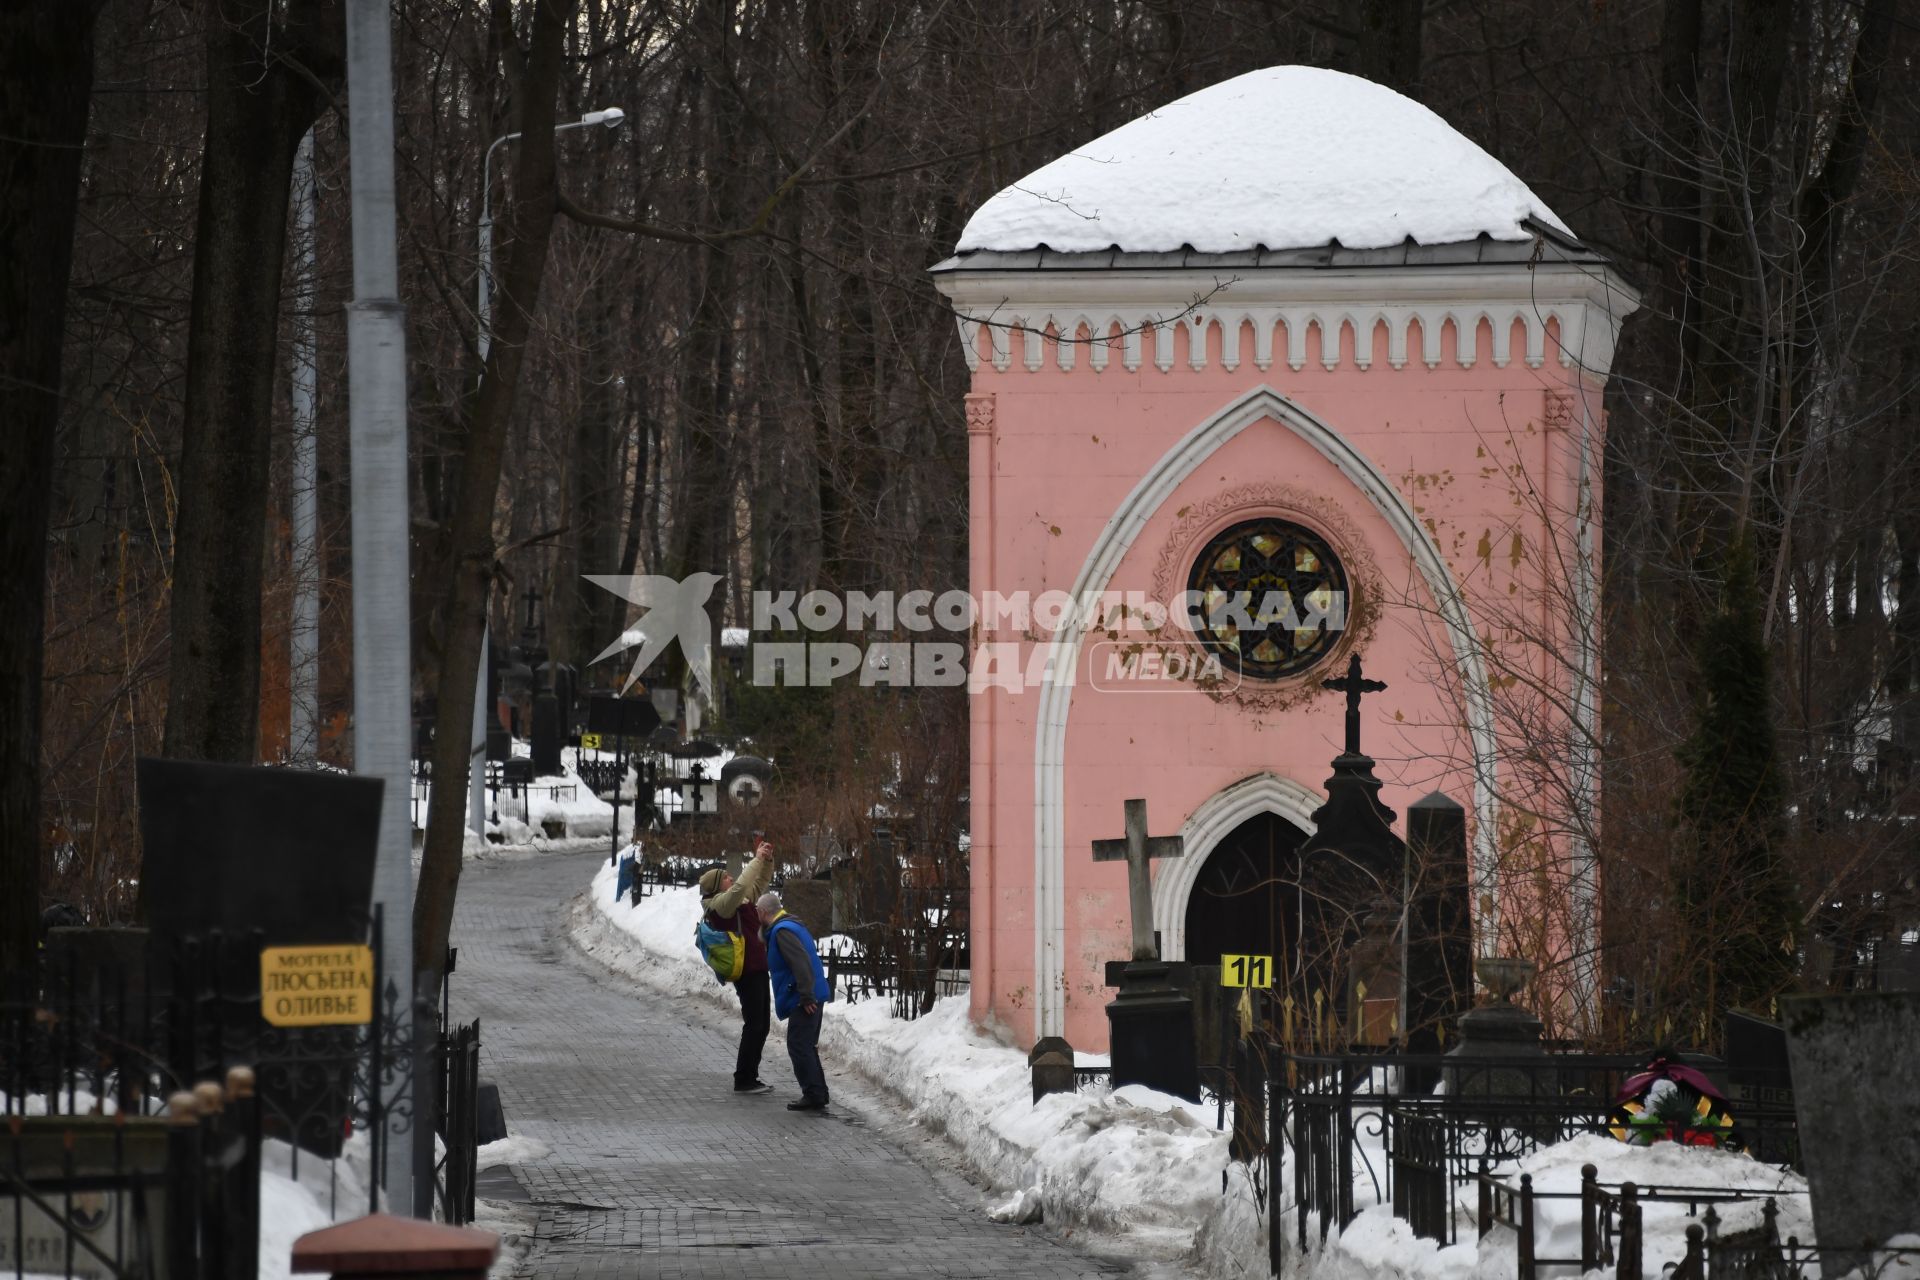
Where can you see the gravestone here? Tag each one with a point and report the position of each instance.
(1201, 983)
(100, 1180)
(1438, 942)
(1375, 977)
(811, 901)
(287, 851)
(108, 965)
(1353, 857)
(1489, 1056)
(846, 908)
(1150, 1023)
(1051, 1063)
(1858, 1105)
(1759, 1079)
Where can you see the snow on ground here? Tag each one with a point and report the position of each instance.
(1147, 1166)
(305, 1195)
(513, 1149)
(1378, 1245)
(1285, 157)
(562, 804)
(296, 1195)
(1129, 1161)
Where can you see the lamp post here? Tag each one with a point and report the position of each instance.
(611, 117)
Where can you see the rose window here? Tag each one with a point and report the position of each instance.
(1269, 597)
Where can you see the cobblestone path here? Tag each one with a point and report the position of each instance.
(656, 1168)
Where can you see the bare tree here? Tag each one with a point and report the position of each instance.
(46, 74)
(264, 90)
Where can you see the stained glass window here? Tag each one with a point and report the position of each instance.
(1269, 596)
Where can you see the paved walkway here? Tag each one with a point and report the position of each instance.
(656, 1169)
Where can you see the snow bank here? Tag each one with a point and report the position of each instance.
(1286, 157)
(1130, 1160)
(515, 1148)
(1376, 1244)
(322, 1194)
(520, 819)
(1147, 1165)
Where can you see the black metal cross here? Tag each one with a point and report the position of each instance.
(1138, 848)
(1353, 685)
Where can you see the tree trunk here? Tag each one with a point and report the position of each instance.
(1390, 43)
(46, 76)
(470, 528)
(257, 110)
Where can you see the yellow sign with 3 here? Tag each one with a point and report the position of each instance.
(316, 986)
(1246, 971)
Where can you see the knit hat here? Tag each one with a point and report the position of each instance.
(710, 880)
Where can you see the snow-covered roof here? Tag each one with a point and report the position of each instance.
(1286, 157)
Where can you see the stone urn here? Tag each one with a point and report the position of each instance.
(1498, 1033)
(1504, 977)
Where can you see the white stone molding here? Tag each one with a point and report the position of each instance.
(1216, 817)
(1197, 326)
(1111, 547)
(1586, 307)
(1363, 325)
(969, 341)
(1002, 339)
(1263, 326)
(1466, 336)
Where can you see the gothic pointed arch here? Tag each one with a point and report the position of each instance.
(1110, 548)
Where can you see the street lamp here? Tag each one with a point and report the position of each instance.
(611, 117)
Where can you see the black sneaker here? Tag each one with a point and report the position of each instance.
(758, 1086)
(806, 1104)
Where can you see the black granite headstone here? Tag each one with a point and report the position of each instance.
(1353, 856)
(287, 851)
(1439, 942)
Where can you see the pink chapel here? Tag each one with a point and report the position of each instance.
(1291, 335)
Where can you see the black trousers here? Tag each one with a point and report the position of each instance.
(756, 1012)
(803, 1047)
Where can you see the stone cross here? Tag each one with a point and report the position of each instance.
(1353, 685)
(1138, 848)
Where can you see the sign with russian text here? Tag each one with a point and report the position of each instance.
(1246, 971)
(316, 986)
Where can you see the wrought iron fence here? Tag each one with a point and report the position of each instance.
(136, 1097)
(1610, 1222)
(650, 875)
(1412, 1130)
(458, 1121)
(174, 1195)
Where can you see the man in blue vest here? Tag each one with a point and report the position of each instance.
(799, 991)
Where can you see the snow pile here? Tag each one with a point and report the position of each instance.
(1664, 1164)
(1286, 157)
(1148, 1165)
(515, 1148)
(1129, 1160)
(518, 820)
(1376, 1244)
(323, 1193)
(1024, 1205)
